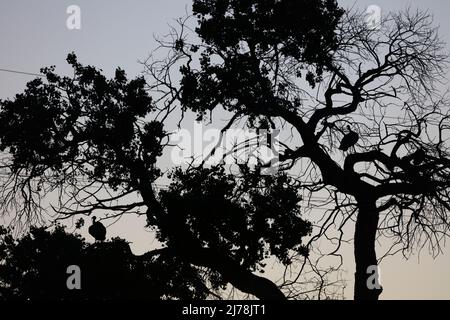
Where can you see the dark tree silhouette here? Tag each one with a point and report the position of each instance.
(307, 67)
(89, 141)
(35, 267)
(310, 67)
(234, 224)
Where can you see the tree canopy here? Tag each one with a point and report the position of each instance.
(96, 133)
(383, 85)
(305, 67)
(35, 267)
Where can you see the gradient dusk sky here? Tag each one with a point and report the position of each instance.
(116, 33)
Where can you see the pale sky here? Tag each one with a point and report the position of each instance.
(115, 33)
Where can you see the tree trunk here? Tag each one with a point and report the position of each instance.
(242, 279)
(365, 255)
(232, 272)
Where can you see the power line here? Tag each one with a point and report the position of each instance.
(22, 72)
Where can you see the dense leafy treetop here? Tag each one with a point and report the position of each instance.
(248, 44)
(301, 29)
(249, 218)
(35, 267)
(86, 123)
(87, 129)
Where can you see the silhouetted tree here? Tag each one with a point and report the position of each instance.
(90, 141)
(310, 67)
(35, 267)
(232, 225)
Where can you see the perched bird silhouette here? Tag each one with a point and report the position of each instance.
(97, 230)
(349, 140)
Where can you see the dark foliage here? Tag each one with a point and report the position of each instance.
(35, 267)
(253, 41)
(97, 131)
(249, 218)
(262, 59)
(87, 119)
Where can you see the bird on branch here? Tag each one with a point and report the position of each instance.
(349, 140)
(97, 230)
